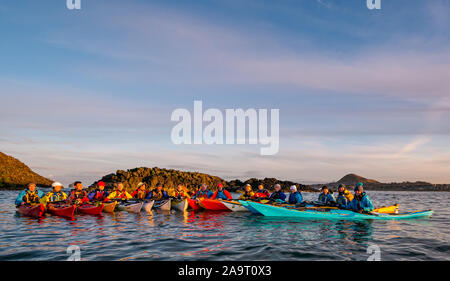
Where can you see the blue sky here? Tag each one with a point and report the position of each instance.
(87, 92)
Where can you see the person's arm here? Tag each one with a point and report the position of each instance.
(19, 198)
(228, 195)
(91, 195)
(214, 195)
(368, 205)
(283, 196)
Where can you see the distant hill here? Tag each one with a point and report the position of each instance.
(15, 174)
(352, 179)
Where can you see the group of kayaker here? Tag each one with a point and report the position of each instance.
(344, 200)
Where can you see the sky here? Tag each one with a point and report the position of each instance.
(84, 93)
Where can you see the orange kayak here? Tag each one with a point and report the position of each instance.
(213, 205)
(193, 204)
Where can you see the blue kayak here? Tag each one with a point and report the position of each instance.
(250, 208)
(274, 211)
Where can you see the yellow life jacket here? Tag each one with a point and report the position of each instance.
(31, 197)
(53, 196)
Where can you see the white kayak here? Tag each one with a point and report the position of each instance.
(148, 205)
(234, 206)
(162, 205)
(131, 207)
(180, 205)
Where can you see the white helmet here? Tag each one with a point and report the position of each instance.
(293, 187)
(55, 184)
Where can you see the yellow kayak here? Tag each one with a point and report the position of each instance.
(387, 210)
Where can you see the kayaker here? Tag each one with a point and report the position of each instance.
(248, 193)
(140, 192)
(278, 194)
(56, 194)
(30, 195)
(325, 197)
(295, 197)
(120, 193)
(78, 195)
(181, 192)
(158, 193)
(204, 192)
(344, 197)
(261, 192)
(221, 193)
(361, 202)
(99, 194)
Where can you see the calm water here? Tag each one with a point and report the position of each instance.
(228, 236)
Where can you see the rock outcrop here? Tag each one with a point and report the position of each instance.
(15, 174)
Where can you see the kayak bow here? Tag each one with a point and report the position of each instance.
(36, 211)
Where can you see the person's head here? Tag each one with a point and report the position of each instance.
(120, 186)
(341, 188)
(293, 189)
(180, 187)
(57, 186)
(277, 187)
(260, 187)
(220, 187)
(101, 185)
(204, 187)
(31, 186)
(159, 186)
(324, 189)
(78, 185)
(248, 188)
(359, 188)
(141, 186)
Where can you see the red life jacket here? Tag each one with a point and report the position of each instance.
(121, 194)
(262, 193)
(78, 194)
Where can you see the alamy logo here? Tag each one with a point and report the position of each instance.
(213, 133)
(374, 4)
(73, 4)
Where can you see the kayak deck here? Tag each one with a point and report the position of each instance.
(274, 211)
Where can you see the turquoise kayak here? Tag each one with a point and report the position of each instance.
(274, 211)
(250, 208)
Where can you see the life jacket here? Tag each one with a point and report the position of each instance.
(31, 197)
(141, 194)
(157, 195)
(100, 195)
(247, 195)
(344, 198)
(53, 196)
(180, 194)
(224, 195)
(262, 193)
(202, 194)
(74, 194)
(121, 194)
(277, 195)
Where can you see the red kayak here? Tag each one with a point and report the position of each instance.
(213, 205)
(193, 204)
(62, 210)
(36, 211)
(90, 209)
